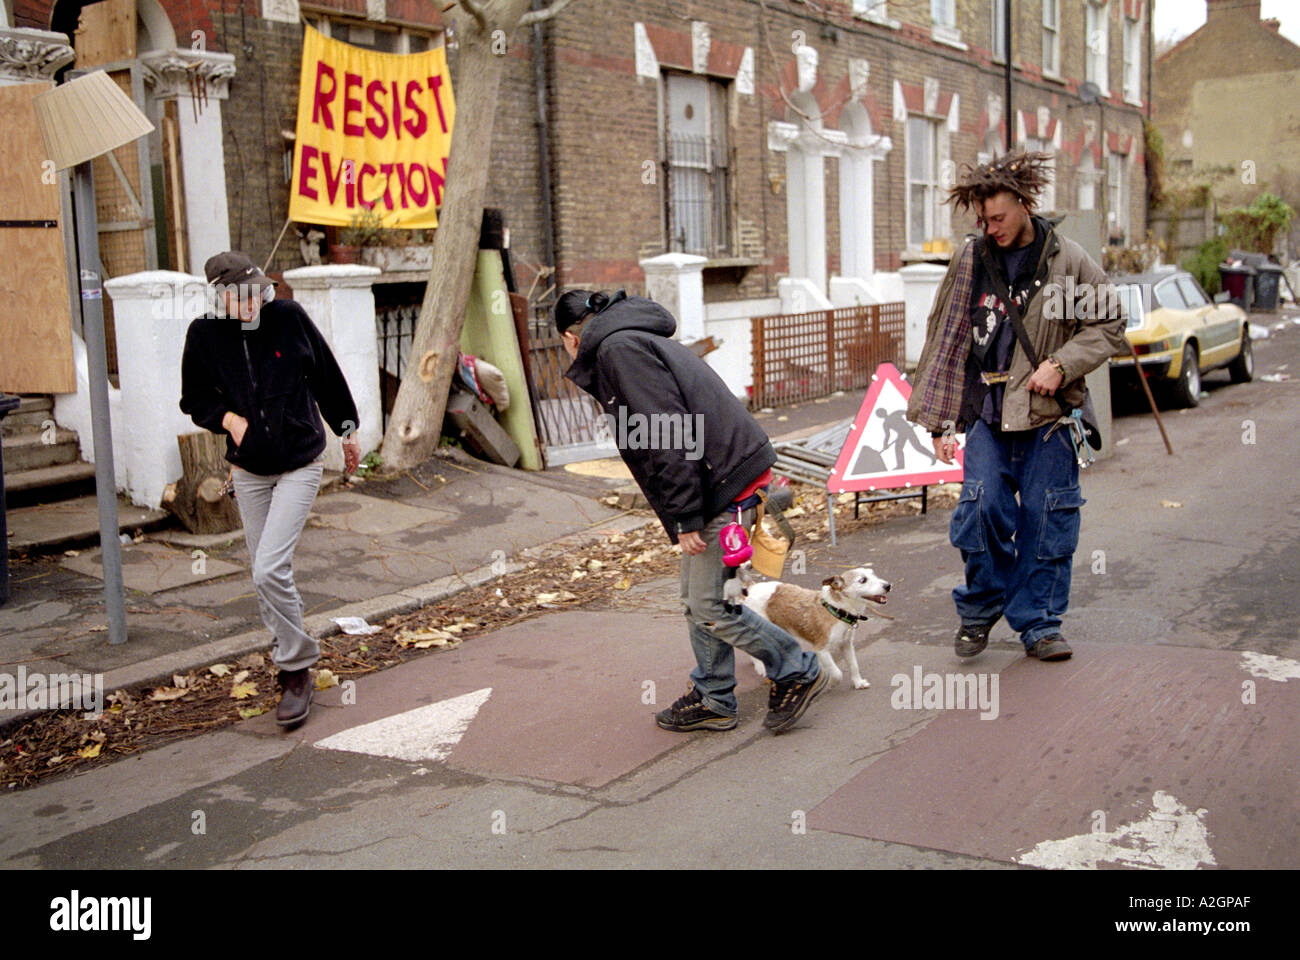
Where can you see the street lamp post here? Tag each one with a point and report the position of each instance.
(80, 120)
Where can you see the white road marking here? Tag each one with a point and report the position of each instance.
(1170, 837)
(1271, 667)
(425, 733)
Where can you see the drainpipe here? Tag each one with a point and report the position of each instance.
(543, 141)
(1007, 113)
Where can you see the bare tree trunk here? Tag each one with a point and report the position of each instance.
(416, 424)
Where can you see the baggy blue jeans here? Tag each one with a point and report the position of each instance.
(715, 630)
(1018, 553)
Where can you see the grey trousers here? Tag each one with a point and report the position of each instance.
(274, 510)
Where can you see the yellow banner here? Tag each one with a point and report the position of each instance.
(373, 129)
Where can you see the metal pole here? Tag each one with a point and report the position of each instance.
(92, 312)
(1006, 28)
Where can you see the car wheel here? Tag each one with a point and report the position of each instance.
(1187, 391)
(1242, 369)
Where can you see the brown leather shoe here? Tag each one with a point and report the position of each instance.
(295, 697)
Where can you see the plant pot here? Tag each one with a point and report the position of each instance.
(342, 253)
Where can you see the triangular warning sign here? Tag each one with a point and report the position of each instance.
(883, 449)
(425, 733)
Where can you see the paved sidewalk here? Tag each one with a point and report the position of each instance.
(370, 550)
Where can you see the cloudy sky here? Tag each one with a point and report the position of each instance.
(1178, 18)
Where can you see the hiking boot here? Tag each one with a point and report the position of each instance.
(295, 697)
(688, 712)
(1051, 647)
(787, 702)
(971, 639)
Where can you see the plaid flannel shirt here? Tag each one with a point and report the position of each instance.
(940, 376)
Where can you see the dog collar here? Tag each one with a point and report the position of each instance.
(843, 615)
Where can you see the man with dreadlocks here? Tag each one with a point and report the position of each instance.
(995, 367)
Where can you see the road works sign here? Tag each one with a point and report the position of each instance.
(883, 450)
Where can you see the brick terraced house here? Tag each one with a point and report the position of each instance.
(766, 156)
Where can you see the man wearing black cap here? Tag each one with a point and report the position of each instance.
(256, 369)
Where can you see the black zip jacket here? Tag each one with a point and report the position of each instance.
(627, 359)
(274, 377)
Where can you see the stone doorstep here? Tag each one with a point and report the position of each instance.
(139, 675)
(72, 523)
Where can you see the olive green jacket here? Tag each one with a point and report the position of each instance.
(1080, 337)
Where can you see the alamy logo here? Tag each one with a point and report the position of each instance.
(53, 691)
(946, 691)
(78, 913)
(655, 431)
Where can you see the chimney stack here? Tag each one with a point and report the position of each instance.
(1215, 9)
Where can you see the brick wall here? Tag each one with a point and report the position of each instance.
(606, 121)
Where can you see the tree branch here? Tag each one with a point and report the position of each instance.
(473, 8)
(537, 16)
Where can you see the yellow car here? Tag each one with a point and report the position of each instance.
(1178, 334)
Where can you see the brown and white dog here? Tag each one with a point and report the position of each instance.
(804, 614)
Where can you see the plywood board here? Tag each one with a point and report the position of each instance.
(35, 328)
(105, 33)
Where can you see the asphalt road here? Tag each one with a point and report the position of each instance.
(1167, 741)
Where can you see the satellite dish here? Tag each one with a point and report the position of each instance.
(1089, 92)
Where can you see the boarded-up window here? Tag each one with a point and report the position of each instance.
(697, 156)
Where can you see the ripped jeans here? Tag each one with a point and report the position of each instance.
(1018, 552)
(715, 630)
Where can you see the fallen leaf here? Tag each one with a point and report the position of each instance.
(326, 679)
(240, 677)
(90, 752)
(242, 691)
(436, 642)
(246, 713)
(219, 669)
(1170, 503)
(53, 760)
(169, 693)
(178, 680)
(623, 584)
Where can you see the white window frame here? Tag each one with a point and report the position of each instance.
(714, 168)
(933, 228)
(1132, 46)
(997, 31)
(1096, 63)
(1052, 38)
(322, 23)
(943, 18)
(1117, 195)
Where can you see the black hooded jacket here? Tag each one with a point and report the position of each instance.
(653, 389)
(274, 376)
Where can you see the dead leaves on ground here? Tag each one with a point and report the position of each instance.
(600, 572)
